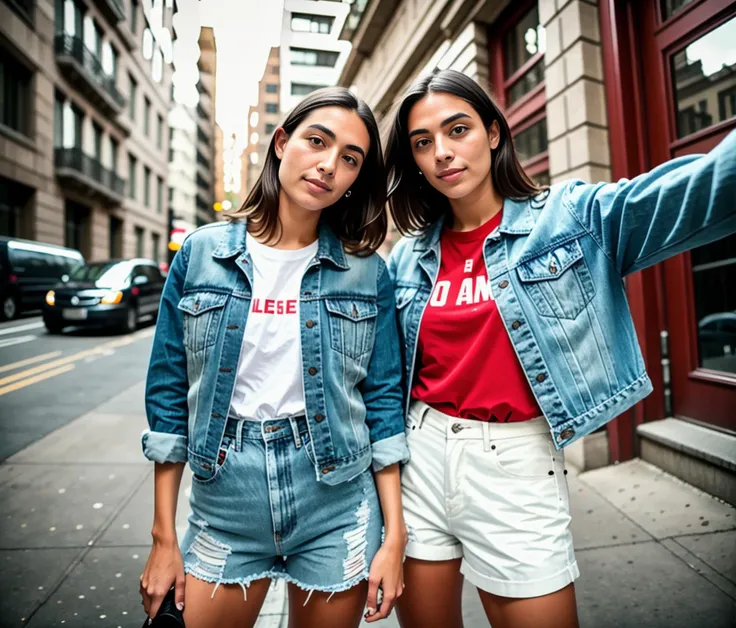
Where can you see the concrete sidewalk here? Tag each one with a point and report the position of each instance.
(77, 509)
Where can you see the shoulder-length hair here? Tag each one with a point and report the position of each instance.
(359, 221)
(414, 203)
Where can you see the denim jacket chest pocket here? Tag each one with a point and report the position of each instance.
(558, 282)
(352, 325)
(202, 313)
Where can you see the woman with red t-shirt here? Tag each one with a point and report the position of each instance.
(517, 340)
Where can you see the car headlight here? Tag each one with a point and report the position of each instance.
(51, 297)
(112, 298)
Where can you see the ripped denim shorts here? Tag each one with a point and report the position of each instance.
(263, 514)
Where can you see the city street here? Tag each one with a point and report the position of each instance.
(76, 501)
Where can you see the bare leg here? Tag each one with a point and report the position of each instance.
(556, 610)
(344, 609)
(227, 609)
(432, 596)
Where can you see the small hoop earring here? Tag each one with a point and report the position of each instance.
(348, 193)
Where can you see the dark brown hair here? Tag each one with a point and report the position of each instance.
(360, 221)
(414, 203)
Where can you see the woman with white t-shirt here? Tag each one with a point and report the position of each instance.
(276, 374)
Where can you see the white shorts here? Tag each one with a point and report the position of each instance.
(492, 494)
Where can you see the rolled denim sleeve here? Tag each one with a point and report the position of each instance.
(381, 389)
(167, 383)
(677, 206)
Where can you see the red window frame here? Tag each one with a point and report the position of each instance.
(530, 108)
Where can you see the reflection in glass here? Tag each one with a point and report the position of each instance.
(704, 76)
(714, 283)
(531, 141)
(670, 7)
(525, 40)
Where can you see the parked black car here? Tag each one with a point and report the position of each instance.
(27, 271)
(111, 293)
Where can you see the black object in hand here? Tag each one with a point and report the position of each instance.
(168, 615)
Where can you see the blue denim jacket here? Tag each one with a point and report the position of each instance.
(556, 267)
(350, 359)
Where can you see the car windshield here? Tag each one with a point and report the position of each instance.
(104, 275)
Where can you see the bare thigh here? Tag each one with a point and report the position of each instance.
(344, 609)
(556, 610)
(227, 609)
(432, 595)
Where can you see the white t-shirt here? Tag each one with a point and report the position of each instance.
(269, 381)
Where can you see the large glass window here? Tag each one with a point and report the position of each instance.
(146, 116)
(704, 78)
(132, 95)
(302, 89)
(714, 276)
(132, 167)
(146, 186)
(139, 234)
(305, 56)
(15, 94)
(523, 42)
(532, 141)
(305, 23)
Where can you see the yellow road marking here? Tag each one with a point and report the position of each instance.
(34, 380)
(33, 360)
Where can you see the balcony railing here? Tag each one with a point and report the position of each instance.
(113, 9)
(71, 52)
(88, 173)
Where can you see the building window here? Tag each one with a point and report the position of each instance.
(532, 141)
(24, 8)
(139, 235)
(114, 62)
(146, 116)
(132, 166)
(302, 89)
(159, 195)
(115, 241)
(523, 51)
(157, 70)
(704, 90)
(321, 58)
(132, 94)
(14, 198)
(160, 132)
(272, 107)
(272, 88)
(15, 95)
(518, 45)
(58, 121)
(274, 69)
(270, 128)
(146, 186)
(134, 16)
(76, 219)
(97, 141)
(155, 240)
(670, 7)
(306, 23)
(114, 147)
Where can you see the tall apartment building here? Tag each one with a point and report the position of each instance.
(263, 119)
(182, 206)
(312, 54)
(83, 132)
(205, 111)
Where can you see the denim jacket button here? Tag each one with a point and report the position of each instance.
(319, 418)
(553, 268)
(312, 370)
(516, 325)
(310, 324)
(541, 377)
(326, 470)
(503, 284)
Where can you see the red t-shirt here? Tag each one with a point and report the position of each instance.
(467, 366)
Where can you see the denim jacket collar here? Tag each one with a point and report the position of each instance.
(232, 243)
(517, 219)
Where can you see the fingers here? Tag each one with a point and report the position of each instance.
(179, 591)
(372, 600)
